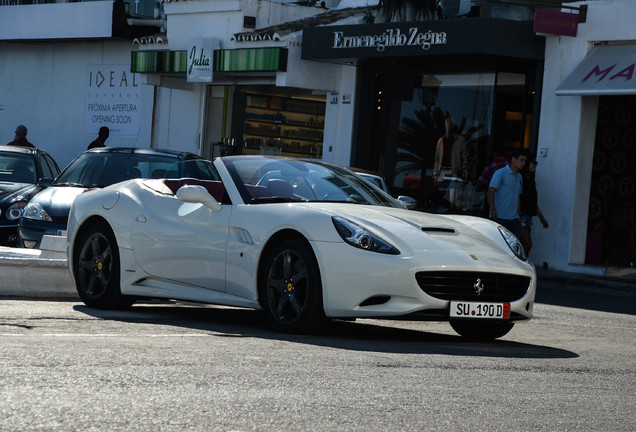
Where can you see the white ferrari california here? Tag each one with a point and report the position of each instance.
(303, 240)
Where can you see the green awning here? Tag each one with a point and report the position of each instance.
(158, 61)
(237, 60)
(251, 60)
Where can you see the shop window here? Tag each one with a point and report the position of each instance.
(472, 116)
(287, 126)
(512, 114)
(444, 129)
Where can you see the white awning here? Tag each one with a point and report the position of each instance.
(606, 70)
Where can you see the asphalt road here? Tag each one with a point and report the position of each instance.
(180, 367)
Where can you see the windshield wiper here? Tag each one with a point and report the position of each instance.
(276, 199)
(339, 201)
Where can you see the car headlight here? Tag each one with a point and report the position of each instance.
(15, 210)
(361, 237)
(36, 212)
(513, 243)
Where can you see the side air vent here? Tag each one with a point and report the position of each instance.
(375, 300)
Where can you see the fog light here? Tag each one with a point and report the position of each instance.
(31, 244)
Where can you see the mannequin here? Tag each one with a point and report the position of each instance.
(451, 157)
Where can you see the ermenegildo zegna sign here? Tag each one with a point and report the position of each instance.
(390, 38)
(457, 36)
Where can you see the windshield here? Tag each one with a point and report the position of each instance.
(17, 168)
(266, 180)
(103, 169)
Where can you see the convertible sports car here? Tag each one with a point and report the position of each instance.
(304, 241)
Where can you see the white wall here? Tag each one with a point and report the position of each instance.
(567, 133)
(43, 86)
(221, 19)
(57, 21)
(339, 119)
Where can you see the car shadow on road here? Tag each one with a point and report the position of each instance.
(362, 335)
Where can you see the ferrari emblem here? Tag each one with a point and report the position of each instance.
(289, 287)
(473, 256)
(99, 266)
(479, 286)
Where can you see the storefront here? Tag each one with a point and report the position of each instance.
(606, 74)
(477, 76)
(587, 169)
(245, 111)
(285, 122)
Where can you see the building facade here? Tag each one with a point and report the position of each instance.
(587, 153)
(65, 72)
(341, 83)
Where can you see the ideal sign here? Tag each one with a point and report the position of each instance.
(112, 100)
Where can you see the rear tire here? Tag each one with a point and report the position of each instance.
(97, 270)
(481, 330)
(290, 289)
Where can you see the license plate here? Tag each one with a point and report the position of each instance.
(467, 309)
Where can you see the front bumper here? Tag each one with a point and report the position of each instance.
(358, 284)
(30, 232)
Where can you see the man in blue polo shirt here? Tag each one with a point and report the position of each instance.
(504, 191)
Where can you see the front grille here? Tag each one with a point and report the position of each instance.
(458, 285)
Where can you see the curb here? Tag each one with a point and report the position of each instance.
(36, 273)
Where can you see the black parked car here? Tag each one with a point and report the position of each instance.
(24, 172)
(47, 213)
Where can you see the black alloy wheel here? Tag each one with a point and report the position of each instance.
(291, 288)
(97, 270)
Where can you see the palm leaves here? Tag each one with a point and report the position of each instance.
(418, 137)
(420, 9)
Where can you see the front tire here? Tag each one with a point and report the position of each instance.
(481, 330)
(97, 270)
(290, 288)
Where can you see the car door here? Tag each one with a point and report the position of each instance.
(180, 241)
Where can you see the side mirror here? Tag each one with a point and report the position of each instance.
(408, 202)
(198, 195)
(45, 182)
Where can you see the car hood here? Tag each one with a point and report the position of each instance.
(419, 231)
(57, 200)
(10, 192)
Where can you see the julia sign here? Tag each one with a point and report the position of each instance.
(200, 55)
(112, 100)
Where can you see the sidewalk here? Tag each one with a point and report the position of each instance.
(614, 281)
(44, 274)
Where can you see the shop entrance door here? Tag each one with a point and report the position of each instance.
(611, 237)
